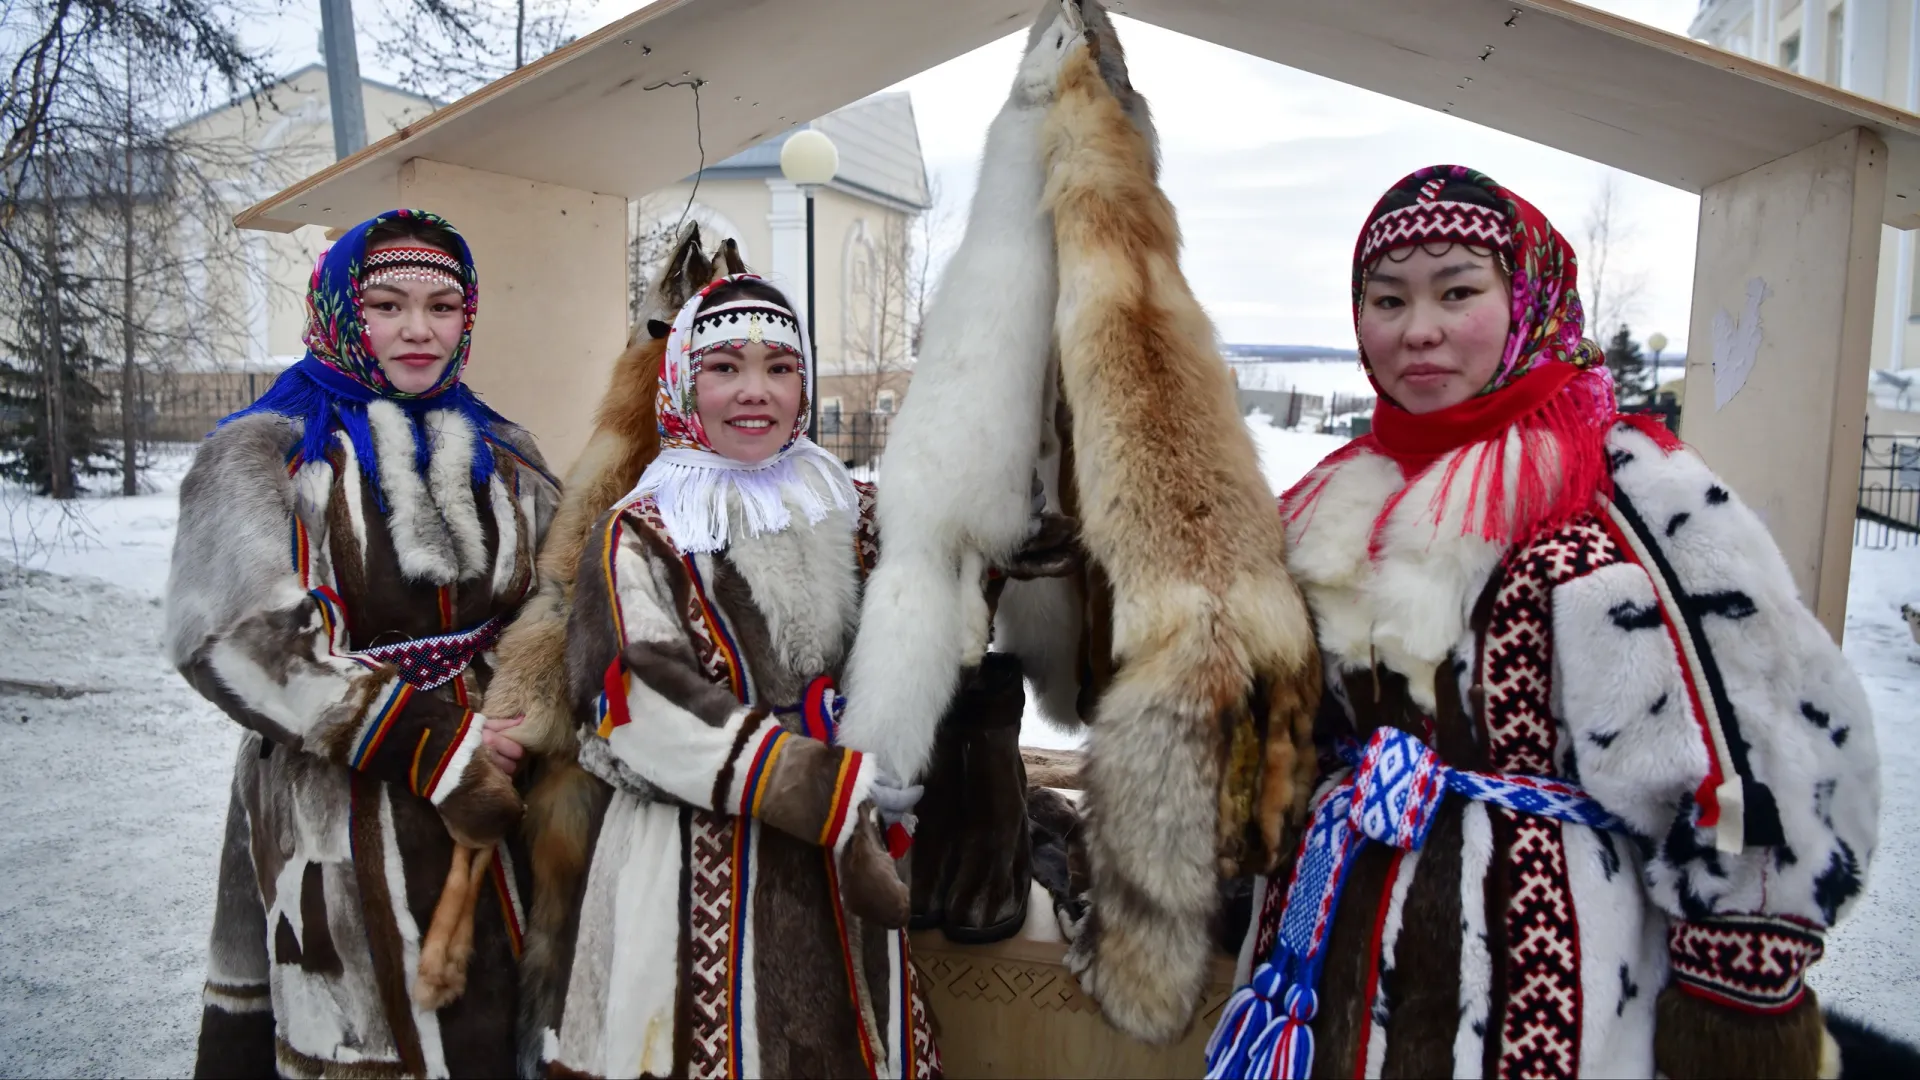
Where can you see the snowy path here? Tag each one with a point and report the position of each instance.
(114, 801)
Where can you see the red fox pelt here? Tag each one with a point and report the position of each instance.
(1201, 750)
(530, 671)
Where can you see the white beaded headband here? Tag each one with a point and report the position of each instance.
(431, 265)
(745, 322)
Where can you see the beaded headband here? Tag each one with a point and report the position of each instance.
(1432, 220)
(431, 265)
(745, 322)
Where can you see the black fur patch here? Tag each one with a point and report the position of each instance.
(1866, 1051)
(1839, 883)
(286, 944)
(1716, 495)
(1609, 855)
(1820, 719)
(1628, 615)
(1628, 991)
(1617, 460)
(1603, 739)
(1783, 856)
(1677, 520)
(1658, 706)
(1839, 736)
(1732, 604)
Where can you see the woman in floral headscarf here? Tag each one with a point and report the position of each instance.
(741, 914)
(348, 549)
(1596, 782)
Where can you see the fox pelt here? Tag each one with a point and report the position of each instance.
(530, 664)
(1200, 751)
(1044, 620)
(956, 492)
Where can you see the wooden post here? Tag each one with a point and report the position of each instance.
(1781, 342)
(553, 294)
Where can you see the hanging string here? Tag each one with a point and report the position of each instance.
(699, 140)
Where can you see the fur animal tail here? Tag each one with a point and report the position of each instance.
(562, 806)
(905, 663)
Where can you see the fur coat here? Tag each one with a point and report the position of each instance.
(710, 937)
(350, 784)
(1608, 653)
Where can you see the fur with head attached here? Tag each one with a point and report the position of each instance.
(530, 673)
(1200, 750)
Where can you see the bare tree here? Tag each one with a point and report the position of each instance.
(446, 49)
(1613, 290)
(99, 180)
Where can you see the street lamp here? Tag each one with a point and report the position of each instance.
(809, 159)
(1657, 342)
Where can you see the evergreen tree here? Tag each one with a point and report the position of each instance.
(49, 430)
(1629, 365)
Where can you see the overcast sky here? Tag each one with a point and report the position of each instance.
(1272, 190)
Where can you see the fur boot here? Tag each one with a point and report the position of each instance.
(962, 453)
(942, 817)
(1200, 751)
(991, 868)
(1694, 1037)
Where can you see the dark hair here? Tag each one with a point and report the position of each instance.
(413, 229)
(1402, 197)
(751, 289)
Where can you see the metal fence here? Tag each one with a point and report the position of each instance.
(1889, 510)
(856, 438)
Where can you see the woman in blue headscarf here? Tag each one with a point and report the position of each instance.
(349, 547)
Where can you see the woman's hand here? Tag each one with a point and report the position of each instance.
(504, 751)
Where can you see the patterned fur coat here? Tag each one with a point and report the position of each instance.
(711, 938)
(1516, 946)
(348, 781)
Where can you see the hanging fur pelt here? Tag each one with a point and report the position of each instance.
(530, 664)
(1041, 620)
(1200, 750)
(956, 490)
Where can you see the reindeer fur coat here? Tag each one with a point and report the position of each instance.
(349, 785)
(1512, 945)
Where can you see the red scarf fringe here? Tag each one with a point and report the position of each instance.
(1561, 422)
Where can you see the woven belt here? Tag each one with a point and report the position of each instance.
(1396, 788)
(429, 662)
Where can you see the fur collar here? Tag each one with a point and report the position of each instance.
(805, 582)
(435, 524)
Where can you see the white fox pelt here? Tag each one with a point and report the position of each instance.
(955, 492)
(1200, 749)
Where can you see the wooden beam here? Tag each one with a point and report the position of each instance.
(1784, 280)
(1559, 73)
(553, 294)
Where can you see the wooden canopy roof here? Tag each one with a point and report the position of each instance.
(595, 117)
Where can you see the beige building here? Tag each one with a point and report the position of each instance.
(287, 133)
(868, 277)
(1872, 48)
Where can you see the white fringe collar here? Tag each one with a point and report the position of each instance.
(695, 491)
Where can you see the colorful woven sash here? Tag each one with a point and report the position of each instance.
(429, 662)
(1396, 787)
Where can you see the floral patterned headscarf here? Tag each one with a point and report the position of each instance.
(329, 389)
(1548, 321)
(698, 491)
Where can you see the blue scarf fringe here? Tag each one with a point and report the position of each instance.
(325, 400)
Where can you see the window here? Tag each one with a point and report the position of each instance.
(1790, 53)
(830, 416)
(884, 402)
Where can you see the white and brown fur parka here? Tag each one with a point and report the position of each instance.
(350, 788)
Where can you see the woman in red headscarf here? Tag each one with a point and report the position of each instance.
(1596, 781)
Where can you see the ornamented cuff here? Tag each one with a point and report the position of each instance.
(1753, 963)
(446, 774)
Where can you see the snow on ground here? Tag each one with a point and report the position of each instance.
(1872, 966)
(114, 798)
(1322, 377)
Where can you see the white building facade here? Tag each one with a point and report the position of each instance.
(1872, 48)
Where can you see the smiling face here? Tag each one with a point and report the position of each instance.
(413, 324)
(749, 398)
(1434, 326)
